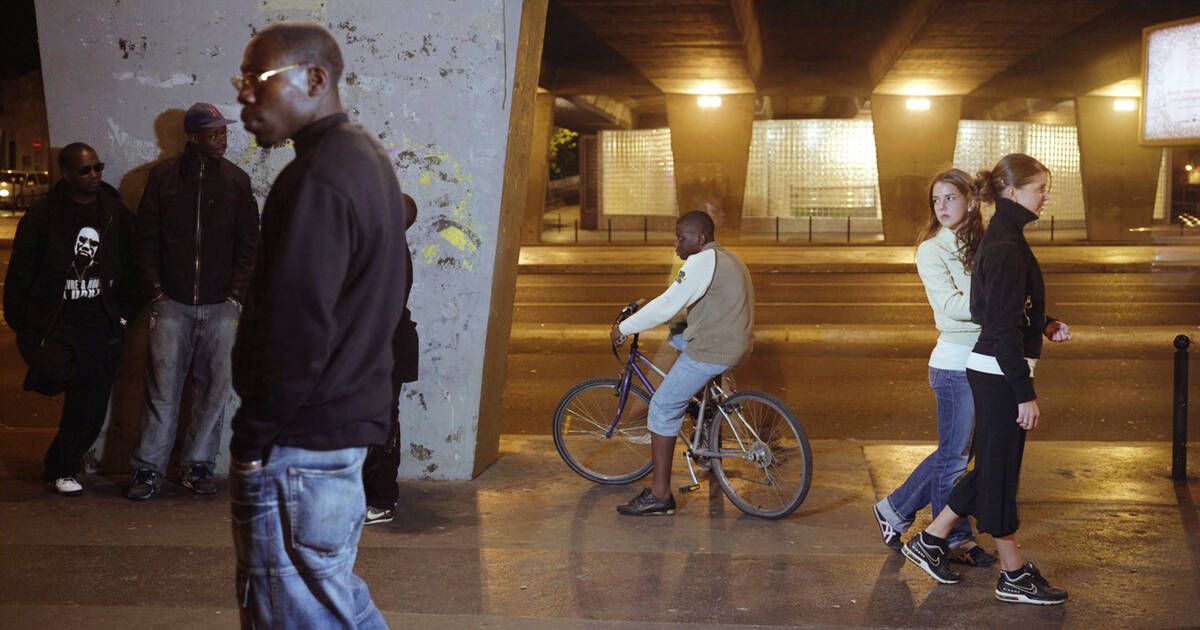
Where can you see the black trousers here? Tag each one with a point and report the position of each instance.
(383, 463)
(989, 490)
(85, 402)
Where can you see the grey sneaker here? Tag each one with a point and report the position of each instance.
(144, 485)
(932, 558)
(1028, 587)
(199, 479)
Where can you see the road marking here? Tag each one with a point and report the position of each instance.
(925, 304)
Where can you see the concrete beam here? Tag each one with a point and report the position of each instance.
(1120, 177)
(439, 91)
(711, 149)
(910, 148)
(539, 168)
(746, 17)
(614, 112)
(908, 23)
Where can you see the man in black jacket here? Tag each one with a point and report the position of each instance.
(312, 362)
(197, 227)
(67, 295)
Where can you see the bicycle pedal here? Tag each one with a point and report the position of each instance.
(686, 489)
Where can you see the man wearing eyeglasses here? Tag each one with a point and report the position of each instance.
(312, 362)
(67, 295)
(197, 226)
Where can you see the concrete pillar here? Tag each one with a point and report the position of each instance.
(1120, 177)
(443, 91)
(911, 146)
(711, 148)
(539, 167)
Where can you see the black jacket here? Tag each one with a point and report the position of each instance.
(44, 248)
(196, 235)
(1008, 297)
(312, 362)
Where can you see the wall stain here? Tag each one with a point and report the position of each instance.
(420, 399)
(128, 47)
(420, 452)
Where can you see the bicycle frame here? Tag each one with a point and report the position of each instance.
(710, 392)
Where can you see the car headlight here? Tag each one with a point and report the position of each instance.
(4, 192)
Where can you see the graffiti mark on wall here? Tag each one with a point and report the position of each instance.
(450, 239)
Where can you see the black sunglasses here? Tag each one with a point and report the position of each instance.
(98, 167)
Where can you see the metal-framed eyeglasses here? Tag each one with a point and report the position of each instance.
(251, 81)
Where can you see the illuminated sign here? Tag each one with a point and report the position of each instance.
(1171, 84)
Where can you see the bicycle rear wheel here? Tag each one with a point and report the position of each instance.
(583, 417)
(773, 477)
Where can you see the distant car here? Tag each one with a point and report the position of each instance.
(21, 189)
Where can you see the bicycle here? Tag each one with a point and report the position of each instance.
(762, 459)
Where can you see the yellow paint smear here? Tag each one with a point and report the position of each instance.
(429, 252)
(457, 238)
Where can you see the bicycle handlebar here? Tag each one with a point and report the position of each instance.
(632, 307)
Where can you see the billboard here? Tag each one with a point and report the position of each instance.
(1171, 84)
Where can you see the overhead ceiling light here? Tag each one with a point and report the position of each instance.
(1188, 167)
(917, 104)
(709, 101)
(1124, 105)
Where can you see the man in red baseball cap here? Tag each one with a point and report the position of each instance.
(197, 227)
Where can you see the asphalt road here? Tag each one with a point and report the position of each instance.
(848, 352)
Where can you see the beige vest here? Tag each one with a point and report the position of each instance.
(721, 322)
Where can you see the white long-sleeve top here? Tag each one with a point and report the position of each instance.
(690, 284)
(948, 289)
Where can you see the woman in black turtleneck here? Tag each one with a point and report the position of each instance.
(1008, 300)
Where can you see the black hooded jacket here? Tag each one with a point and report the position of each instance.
(1008, 297)
(44, 249)
(197, 228)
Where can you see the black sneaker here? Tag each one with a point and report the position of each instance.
(933, 559)
(145, 484)
(1028, 587)
(376, 515)
(891, 537)
(971, 554)
(646, 504)
(200, 479)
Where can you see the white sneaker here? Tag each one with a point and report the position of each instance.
(67, 486)
(376, 515)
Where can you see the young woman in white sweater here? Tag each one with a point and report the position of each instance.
(945, 252)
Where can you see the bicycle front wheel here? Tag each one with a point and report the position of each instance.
(582, 420)
(765, 467)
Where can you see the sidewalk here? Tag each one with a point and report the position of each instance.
(529, 544)
(617, 259)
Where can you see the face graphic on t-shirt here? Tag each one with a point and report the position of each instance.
(83, 280)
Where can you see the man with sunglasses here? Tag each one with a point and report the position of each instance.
(197, 226)
(312, 362)
(68, 293)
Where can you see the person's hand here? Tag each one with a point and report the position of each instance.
(1027, 415)
(615, 336)
(1057, 331)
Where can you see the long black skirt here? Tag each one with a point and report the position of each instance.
(989, 490)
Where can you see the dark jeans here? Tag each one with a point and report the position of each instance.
(381, 467)
(85, 402)
(989, 490)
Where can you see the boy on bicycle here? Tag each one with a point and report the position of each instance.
(714, 286)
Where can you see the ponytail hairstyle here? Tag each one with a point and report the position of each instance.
(968, 234)
(1014, 169)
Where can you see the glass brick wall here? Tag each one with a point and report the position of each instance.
(981, 143)
(637, 172)
(821, 168)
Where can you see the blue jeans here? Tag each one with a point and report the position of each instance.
(684, 379)
(186, 336)
(931, 481)
(296, 524)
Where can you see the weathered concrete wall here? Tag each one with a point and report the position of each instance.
(433, 81)
(1120, 177)
(910, 148)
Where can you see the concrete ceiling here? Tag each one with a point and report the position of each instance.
(824, 58)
